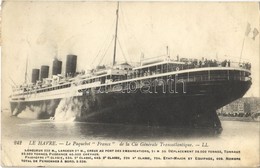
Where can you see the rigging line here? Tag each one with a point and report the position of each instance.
(122, 50)
(103, 45)
(125, 55)
(124, 16)
(123, 26)
(129, 28)
(242, 48)
(106, 51)
(127, 31)
(13, 81)
(98, 54)
(236, 57)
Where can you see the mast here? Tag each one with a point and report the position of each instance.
(25, 76)
(242, 49)
(114, 58)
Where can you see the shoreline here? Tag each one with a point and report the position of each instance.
(244, 119)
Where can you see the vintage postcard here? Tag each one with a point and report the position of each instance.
(130, 84)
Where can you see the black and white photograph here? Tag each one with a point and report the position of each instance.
(130, 84)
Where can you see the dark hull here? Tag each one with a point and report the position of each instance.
(196, 108)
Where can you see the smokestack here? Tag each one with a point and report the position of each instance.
(71, 65)
(56, 66)
(35, 75)
(44, 72)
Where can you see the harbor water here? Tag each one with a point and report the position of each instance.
(15, 127)
(236, 135)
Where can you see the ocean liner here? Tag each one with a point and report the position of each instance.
(160, 91)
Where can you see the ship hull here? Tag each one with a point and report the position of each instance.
(191, 107)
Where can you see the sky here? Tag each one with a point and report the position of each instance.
(44, 30)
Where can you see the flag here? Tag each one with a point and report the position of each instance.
(255, 33)
(248, 29)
